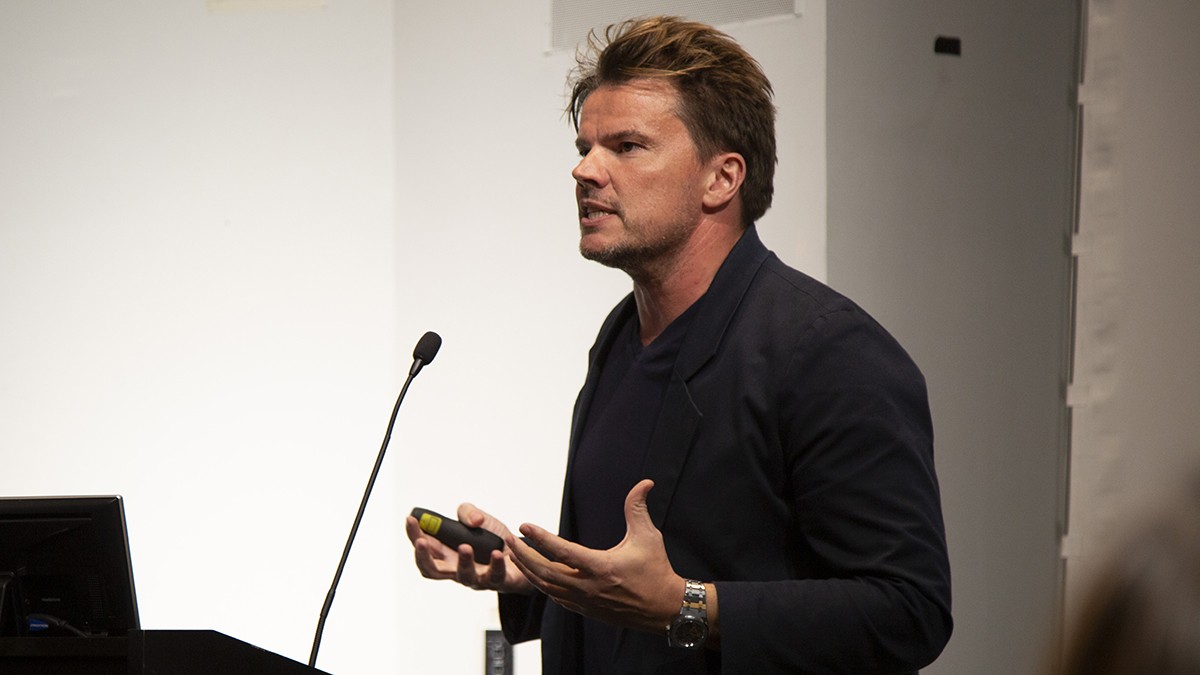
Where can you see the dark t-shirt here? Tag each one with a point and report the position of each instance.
(612, 449)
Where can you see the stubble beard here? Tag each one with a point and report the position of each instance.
(637, 259)
(637, 255)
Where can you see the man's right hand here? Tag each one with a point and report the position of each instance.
(435, 560)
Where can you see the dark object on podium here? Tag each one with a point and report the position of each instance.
(64, 568)
(67, 601)
(144, 652)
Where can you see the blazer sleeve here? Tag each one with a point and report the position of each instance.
(871, 589)
(521, 616)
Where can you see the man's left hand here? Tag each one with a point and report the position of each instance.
(631, 584)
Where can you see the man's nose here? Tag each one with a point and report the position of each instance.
(589, 170)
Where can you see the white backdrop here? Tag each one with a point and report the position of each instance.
(223, 226)
(197, 292)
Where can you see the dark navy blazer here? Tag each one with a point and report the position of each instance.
(793, 467)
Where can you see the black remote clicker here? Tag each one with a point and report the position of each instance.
(453, 533)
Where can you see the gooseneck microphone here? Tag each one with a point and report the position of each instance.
(427, 348)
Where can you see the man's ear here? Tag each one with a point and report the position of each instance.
(727, 172)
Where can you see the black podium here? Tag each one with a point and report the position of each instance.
(144, 652)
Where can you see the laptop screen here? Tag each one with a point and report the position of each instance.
(65, 567)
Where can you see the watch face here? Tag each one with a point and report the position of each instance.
(688, 631)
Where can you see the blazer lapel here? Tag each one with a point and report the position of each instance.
(597, 354)
(680, 417)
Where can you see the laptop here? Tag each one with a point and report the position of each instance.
(65, 568)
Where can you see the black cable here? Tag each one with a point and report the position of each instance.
(59, 623)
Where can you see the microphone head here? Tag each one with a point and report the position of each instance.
(427, 347)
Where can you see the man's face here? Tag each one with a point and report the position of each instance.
(639, 181)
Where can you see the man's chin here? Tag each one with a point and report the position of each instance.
(617, 257)
(603, 256)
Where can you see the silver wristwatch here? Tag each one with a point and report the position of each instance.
(689, 628)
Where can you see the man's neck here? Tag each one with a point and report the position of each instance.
(666, 289)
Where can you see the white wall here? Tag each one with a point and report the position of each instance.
(197, 296)
(221, 232)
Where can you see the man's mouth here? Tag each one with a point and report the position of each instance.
(590, 211)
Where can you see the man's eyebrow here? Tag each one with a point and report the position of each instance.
(614, 137)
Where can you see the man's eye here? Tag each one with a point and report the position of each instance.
(627, 146)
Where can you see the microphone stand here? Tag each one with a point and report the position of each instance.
(426, 349)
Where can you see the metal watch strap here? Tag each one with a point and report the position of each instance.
(689, 628)
(694, 596)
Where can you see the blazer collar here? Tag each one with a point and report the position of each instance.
(719, 303)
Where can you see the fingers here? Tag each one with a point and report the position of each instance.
(489, 577)
(435, 560)
(636, 510)
(565, 553)
(470, 515)
(637, 514)
(631, 584)
(537, 569)
(412, 529)
(497, 573)
(429, 553)
(465, 571)
(560, 576)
